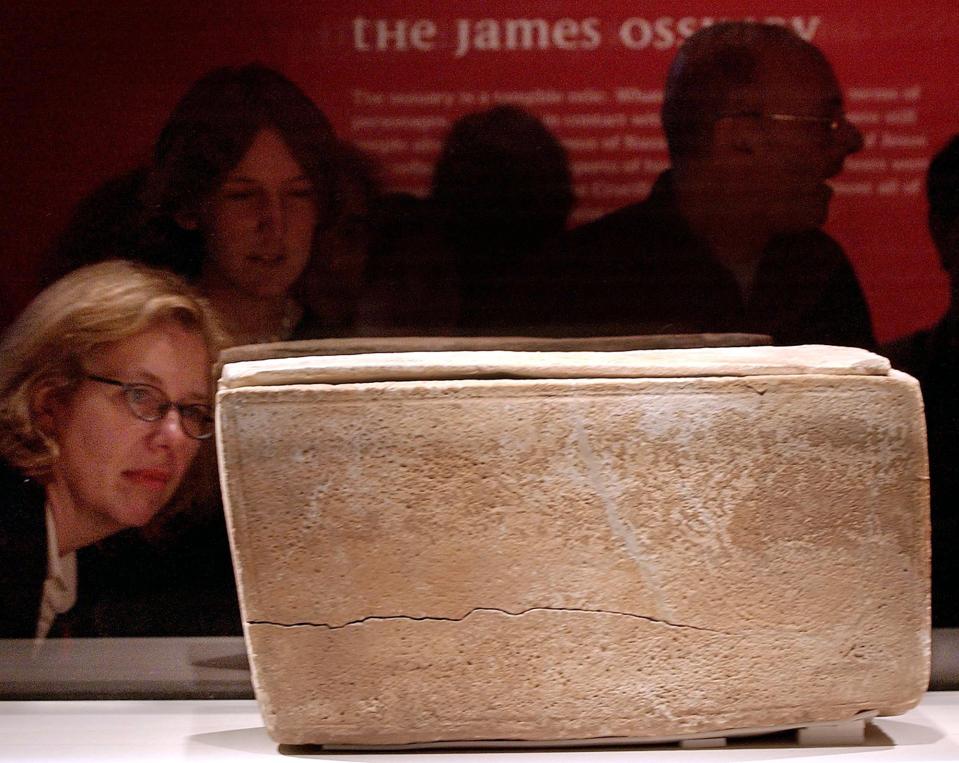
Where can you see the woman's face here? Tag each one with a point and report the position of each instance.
(115, 470)
(258, 225)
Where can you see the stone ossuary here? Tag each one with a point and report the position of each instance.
(565, 546)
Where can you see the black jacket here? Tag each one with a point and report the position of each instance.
(23, 553)
(126, 586)
(642, 270)
(932, 357)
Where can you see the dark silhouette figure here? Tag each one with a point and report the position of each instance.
(331, 285)
(472, 258)
(932, 356)
(105, 225)
(410, 281)
(729, 238)
(502, 192)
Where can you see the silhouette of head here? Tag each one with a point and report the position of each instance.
(942, 191)
(502, 176)
(105, 225)
(757, 112)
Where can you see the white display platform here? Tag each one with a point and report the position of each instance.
(124, 668)
(202, 730)
(209, 722)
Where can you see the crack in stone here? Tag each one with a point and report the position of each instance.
(432, 618)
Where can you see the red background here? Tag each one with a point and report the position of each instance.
(86, 89)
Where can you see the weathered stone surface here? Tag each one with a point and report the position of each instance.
(577, 558)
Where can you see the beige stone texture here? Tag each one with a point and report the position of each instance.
(705, 540)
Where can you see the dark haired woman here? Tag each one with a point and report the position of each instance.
(243, 177)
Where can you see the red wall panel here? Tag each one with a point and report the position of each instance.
(86, 89)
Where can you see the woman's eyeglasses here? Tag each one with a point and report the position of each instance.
(148, 403)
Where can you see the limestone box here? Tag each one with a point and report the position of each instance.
(566, 546)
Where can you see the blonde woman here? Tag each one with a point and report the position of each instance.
(104, 400)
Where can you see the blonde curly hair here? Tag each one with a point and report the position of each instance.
(47, 347)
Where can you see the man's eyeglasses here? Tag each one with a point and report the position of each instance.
(831, 123)
(149, 403)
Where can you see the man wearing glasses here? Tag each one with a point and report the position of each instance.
(729, 239)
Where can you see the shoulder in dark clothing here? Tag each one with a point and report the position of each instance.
(932, 357)
(23, 552)
(807, 292)
(179, 585)
(642, 270)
